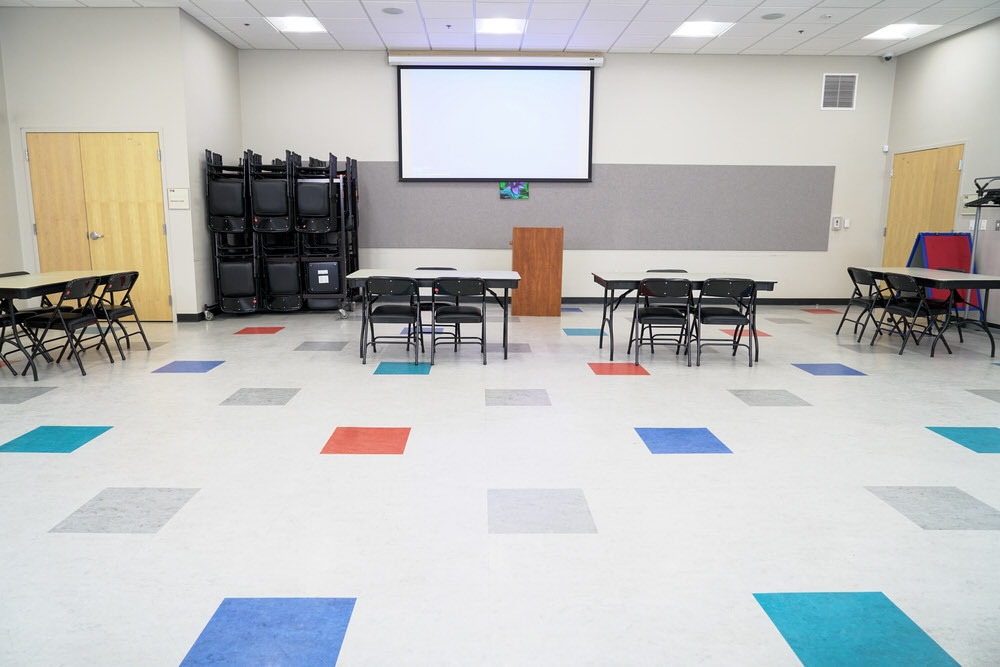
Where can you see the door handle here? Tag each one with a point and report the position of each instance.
(94, 236)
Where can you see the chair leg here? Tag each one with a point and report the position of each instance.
(142, 333)
(418, 331)
(111, 330)
(482, 336)
(433, 336)
(697, 329)
(638, 341)
(844, 318)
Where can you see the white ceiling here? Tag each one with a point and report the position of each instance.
(808, 27)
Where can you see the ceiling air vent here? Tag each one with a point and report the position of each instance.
(839, 91)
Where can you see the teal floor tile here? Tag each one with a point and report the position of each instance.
(402, 368)
(54, 439)
(981, 439)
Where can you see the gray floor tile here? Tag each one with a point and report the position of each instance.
(517, 397)
(126, 510)
(992, 394)
(322, 346)
(15, 395)
(512, 348)
(261, 396)
(539, 511)
(767, 397)
(939, 507)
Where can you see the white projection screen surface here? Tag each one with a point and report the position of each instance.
(493, 124)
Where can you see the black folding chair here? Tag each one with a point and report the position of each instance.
(115, 309)
(908, 303)
(451, 313)
(868, 295)
(72, 323)
(728, 302)
(392, 289)
(668, 303)
(427, 298)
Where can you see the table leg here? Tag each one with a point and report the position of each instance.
(611, 327)
(604, 319)
(506, 305)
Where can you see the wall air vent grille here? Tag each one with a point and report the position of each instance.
(839, 91)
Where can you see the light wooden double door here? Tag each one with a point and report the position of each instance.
(98, 202)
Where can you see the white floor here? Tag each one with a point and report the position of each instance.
(682, 541)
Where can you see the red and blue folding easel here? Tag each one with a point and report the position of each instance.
(946, 250)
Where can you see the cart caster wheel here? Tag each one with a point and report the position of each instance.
(350, 306)
(343, 314)
(209, 315)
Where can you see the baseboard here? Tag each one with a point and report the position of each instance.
(190, 317)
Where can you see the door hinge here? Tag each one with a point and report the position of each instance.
(960, 163)
(36, 229)
(890, 172)
(158, 156)
(164, 229)
(26, 158)
(170, 299)
(883, 231)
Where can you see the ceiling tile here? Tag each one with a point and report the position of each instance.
(938, 15)
(452, 40)
(228, 8)
(603, 28)
(611, 12)
(746, 4)
(405, 40)
(855, 49)
(313, 40)
(557, 10)
(676, 50)
(407, 22)
(790, 13)
(979, 16)
(501, 10)
(666, 12)
(590, 43)
(54, 3)
(638, 41)
(352, 31)
(337, 9)
(457, 26)
(726, 14)
(801, 31)
(686, 42)
(973, 4)
(446, 10)
(721, 48)
(109, 3)
(544, 42)
(847, 3)
(498, 42)
(13, 3)
(549, 27)
(836, 14)
(882, 16)
(775, 5)
(233, 39)
(653, 28)
(750, 30)
(281, 7)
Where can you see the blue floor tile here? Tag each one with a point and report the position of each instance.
(981, 439)
(850, 629)
(681, 441)
(402, 368)
(425, 329)
(582, 332)
(572, 310)
(273, 631)
(188, 367)
(54, 439)
(828, 369)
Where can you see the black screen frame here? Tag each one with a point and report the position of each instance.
(505, 177)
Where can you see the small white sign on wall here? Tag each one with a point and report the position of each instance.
(177, 198)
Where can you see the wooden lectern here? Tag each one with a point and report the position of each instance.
(537, 257)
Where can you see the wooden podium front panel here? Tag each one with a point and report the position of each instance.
(537, 257)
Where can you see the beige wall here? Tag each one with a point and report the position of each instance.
(212, 101)
(659, 109)
(10, 234)
(947, 93)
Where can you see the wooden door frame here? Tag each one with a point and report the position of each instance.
(886, 191)
(29, 230)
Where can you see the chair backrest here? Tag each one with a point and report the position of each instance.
(460, 287)
(121, 282)
(904, 285)
(269, 196)
(312, 199)
(666, 271)
(664, 287)
(391, 286)
(436, 268)
(861, 277)
(225, 197)
(730, 288)
(81, 288)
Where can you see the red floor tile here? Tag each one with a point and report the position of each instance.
(618, 369)
(823, 311)
(260, 330)
(760, 334)
(366, 440)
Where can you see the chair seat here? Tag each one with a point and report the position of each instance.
(117, 312)
(458, 315)
(394, 313)
(913, 309)
(661, 315)
(73, 321)
(716, 315)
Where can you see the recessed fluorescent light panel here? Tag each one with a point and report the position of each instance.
(701, 29)
(296, 23)
(499, 26)
(898, 31)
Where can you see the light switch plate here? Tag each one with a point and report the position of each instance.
(836, 224)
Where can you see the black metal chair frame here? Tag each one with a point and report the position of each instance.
(667, 304)
(115, 311)
(391, 287)
(451, 313)
(427, 299)
(73, 324)
(631, 338)
(870, 298)
(741, 313)
(908, 300)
